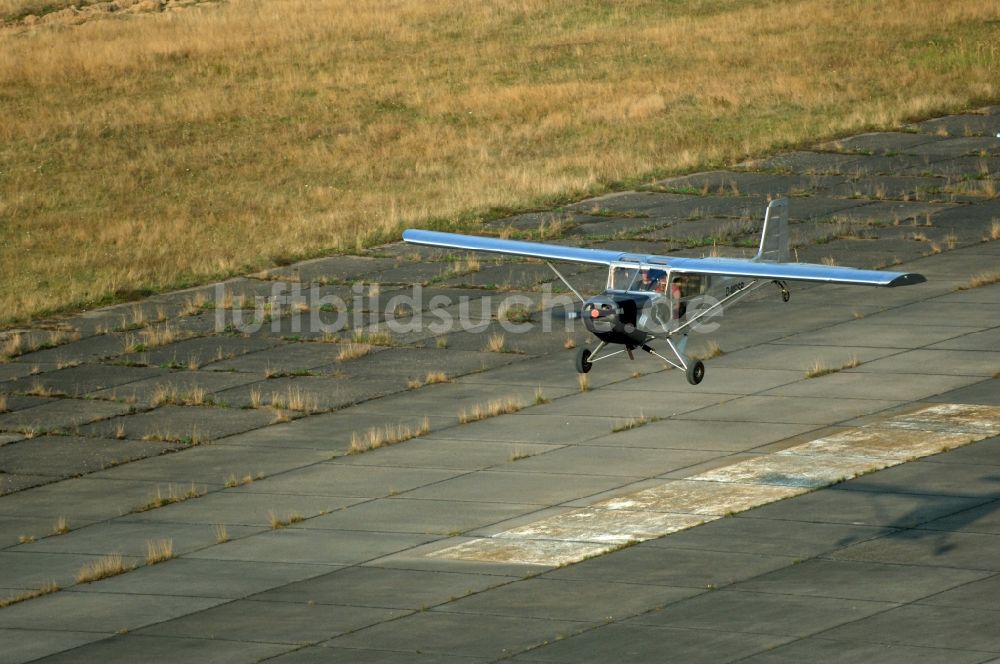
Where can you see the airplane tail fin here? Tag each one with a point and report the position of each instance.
(774, 240)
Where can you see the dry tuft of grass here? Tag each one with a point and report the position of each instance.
(3, 403)
(294, 399)
(169, 393)
(277, 522)
(221, 534)
(61, 526)
(371, 338)
(517, 454)
(491, 408)
(173, 495)
(712, 349)
(981, 279)
(819, 368)
(376, 437)
(540, 397)
(496, 344)
(13, 345)
(46, 589)
(112, 564)
(584, 382)
(436, 377)
(632, 423)
(26, 539)
(994, 233)
(352, 351)
(159, 550)
(569, 343)
(234, 481)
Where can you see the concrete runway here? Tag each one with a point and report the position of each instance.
(762, 516)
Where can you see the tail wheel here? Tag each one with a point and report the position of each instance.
(583, 365)
(695, 372)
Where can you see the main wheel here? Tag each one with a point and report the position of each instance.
(695, 372)
(582, 364)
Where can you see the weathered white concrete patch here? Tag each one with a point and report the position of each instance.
(897, 444)
(700, 497)
(550, 553)
(591, 524)
(680, 504)
(955, 417)
(796, 471)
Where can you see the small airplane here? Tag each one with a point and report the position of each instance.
(650, 298)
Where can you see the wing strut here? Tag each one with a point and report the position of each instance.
(563, 279)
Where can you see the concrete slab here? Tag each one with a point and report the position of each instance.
(532, 427)
(273, 622)
(71, 456)
(60, 415)
(861, 580)
(25, 645)
(433, 517)
(231, 507)
(216, 464)
(517, 487)
(29, 571)
(460, 634)
(185, 424)
(720, 436)
(400, 589)
(188, 579)
(790, 410)
(569, 600)
(137, 647)
(79, 499)
(313, 547)
(99, 611)
(431, 452)
(928, 626)
(183, 384)
(821, 649)
(762, 613)
(644, 643)
(618, 461)
(82, 380)
(872, 383)
(336, 479)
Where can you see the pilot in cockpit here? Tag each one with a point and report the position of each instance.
(651, 280)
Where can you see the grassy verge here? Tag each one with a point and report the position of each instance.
(150, 151)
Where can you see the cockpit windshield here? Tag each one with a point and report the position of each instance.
(643, 279)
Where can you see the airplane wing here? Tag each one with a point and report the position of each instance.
(552, 252)
(718, 266)
(830, 274)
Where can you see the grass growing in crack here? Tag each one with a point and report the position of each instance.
(376, 437)
(496, 343)
(820, 368)
(373, 338)
(168, 393)
(233, 481)
(158, 551)
(632, 423)
(540, 397)
(46, 589)
(221, 534)
(3, 403)
(981, 279)
(173, 495)
(584, 382)
(569, 343)
(25, 539)
(61, 526)
(352, 351)
(112, 564)
(517, 454)
(431, 378)
(277, 522)
(40, 390)
(491, 408)
(295, 399)
(712, 349)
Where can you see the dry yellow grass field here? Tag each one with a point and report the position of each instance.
(152, 150)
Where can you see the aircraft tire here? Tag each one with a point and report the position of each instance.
(695, 372)
(582, 364)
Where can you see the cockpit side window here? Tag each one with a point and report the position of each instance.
(622, 278)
